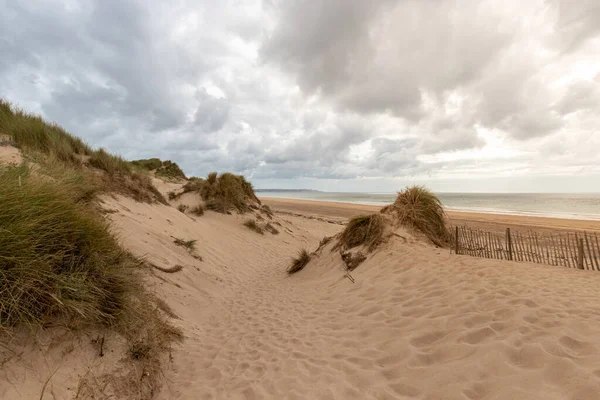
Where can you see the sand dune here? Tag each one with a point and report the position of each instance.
(418, 323)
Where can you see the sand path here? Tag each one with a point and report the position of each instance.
(419, 323)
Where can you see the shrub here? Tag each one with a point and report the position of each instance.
(252, 225)
(169, 169)
(422, 210)
(194, 184)
(299, 262)
(150, 164)
(57, 258)
(107, 162)
(363, 230)
(227, 192)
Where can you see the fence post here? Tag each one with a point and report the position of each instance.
(580, 254)
(509, 242)
(456, 239)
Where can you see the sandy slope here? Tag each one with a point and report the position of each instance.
(419, 322)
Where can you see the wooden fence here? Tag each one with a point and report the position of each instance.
(573, 250)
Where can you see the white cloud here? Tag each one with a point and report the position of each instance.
(344, 94)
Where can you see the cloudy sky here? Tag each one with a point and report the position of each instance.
(340, 95)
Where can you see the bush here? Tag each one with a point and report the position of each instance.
(226, 192)
(299, 262)
(422, 210)
(252, 225)
(57, 258)
(363, 230)
(150, 164)
(165, 169)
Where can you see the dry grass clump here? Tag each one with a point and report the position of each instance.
(299, 262)
(265, 209)
(38, 138)
(271, 229)
(363, 230)
(197, 210)
(422, 210)
(190, 245)
(57, 258)
(164, 169)
(252, 225)
(227, 192)
(353, 260)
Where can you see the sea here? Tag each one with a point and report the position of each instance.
(584, 206)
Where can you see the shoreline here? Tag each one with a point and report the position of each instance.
(491, 222)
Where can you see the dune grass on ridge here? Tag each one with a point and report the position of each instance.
(42, 140)
(422, 210)
(58, 259)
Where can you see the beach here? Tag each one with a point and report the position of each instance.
(412, 321)
(485, 221)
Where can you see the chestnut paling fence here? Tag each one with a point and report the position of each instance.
(570, 249)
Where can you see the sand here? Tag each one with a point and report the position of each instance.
(418, 322)
(490, 222)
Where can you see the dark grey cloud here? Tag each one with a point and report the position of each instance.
(324, 90)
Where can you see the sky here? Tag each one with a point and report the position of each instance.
(336, 95)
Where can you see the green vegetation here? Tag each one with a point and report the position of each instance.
(299, 262)
(227, 192)
(363, 230)
(422, 210)
(252, 225)
(57, 259)
(164, 169)
(47, 143)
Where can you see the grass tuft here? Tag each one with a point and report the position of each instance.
(164, 169)
(252, 225)
(197, 210)
(37, 137)
(299, 262)
(188, 244)
(57, 257)
(271, 229)
(226, 192)
(363, 230)
(422, 210)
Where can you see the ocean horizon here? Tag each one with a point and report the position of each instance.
(584, 206)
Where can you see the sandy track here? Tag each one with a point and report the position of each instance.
(418, 323)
